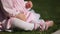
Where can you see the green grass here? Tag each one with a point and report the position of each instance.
(49, 10)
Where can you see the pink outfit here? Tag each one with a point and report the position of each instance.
(13, 7)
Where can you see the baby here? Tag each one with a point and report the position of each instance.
(32, 17)
(46, 25)
(22, 18)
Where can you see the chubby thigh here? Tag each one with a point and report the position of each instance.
(21, 24)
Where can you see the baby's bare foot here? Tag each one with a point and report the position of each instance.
(49, 24)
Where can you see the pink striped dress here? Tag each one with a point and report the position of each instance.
(13, 7)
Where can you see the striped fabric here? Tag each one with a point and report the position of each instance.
(13, 7)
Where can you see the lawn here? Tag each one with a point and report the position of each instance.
(49, 10)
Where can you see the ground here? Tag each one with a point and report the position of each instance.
(49, 10)
(57, 32)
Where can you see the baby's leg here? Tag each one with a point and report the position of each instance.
(46, 24)
(49, 24)
(22, 25)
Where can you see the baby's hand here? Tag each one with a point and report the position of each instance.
(29, 4)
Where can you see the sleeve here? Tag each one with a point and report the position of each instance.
(8, 7)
